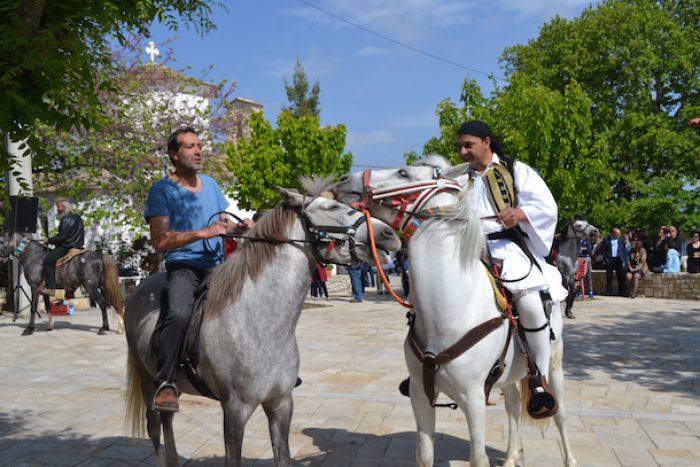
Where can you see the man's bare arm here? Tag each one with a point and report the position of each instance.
(163, 239)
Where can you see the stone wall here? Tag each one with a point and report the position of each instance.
(680, 285)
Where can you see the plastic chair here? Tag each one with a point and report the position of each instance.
(580, 276)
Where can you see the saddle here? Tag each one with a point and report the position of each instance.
(72, 253)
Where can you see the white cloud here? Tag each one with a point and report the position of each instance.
(413, 21)
(544, 9)
(407, 20)
(372, 137)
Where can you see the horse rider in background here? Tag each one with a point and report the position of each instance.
(71, 234)
(520, 228)
(179, 209)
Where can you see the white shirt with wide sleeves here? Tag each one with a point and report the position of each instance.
(538, 204)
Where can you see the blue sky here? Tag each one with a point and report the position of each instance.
(384, 93)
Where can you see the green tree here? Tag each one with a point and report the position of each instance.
(303, 103)
(600, 105)
(55, 55)
(639, 63)
(278, 156)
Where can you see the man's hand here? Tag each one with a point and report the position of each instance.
(510, 217)
(226, 226)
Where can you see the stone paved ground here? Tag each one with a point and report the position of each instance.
(633, 393)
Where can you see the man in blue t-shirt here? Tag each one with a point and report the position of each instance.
(178, 210)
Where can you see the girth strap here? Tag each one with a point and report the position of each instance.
(431, 362)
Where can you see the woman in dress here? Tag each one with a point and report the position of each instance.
(636, 267)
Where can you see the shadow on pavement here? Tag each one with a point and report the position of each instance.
(657, 350)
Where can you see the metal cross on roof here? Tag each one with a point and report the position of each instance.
(152, 51)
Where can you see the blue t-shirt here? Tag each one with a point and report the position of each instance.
(188, 211)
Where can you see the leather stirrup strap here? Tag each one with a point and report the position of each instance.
(500, 365)
(431, 362)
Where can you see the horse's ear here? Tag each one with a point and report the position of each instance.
(455, 171)
(290, 198)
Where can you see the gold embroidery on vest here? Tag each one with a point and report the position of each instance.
(500, 187)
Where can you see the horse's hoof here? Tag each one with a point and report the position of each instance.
(571, 316)
(49, 328)
(28, 331)
(101, 332)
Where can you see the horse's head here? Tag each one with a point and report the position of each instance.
(340, 232)
(382, 191)
(11, 244)
(582, 229)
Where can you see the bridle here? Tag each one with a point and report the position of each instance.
(318, 236)
(408, 200)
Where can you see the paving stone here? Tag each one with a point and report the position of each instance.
(632, 394)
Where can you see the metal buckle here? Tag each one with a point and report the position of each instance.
(429, 361)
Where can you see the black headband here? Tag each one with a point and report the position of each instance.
(475, 128)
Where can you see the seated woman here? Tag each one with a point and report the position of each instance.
(673, 258)
(636, 267)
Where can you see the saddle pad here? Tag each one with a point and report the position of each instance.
(501, 300)
(72, 253)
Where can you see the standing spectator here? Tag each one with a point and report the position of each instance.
(673, 258)
(367, 275)
(387, 266)
(615, 257)
(321, 276)
(585, 250)
(636, 267)
(693, 250)
(358, 291)
(597, 255)
(656, 256)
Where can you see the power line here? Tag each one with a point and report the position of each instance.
(400, 44)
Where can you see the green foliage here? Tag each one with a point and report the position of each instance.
(278, 156)
(600, 105)
(303, 103)
(56, 59)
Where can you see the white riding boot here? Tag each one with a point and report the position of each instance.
(532, 316)
(541, 401)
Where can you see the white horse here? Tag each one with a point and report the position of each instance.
(248, 354)
(451, 294)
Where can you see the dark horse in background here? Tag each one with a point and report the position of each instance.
(574, 231)
(94, 271)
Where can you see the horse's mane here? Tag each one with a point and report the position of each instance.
(250, 259)
(461, 218)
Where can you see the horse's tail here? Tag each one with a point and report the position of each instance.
(111, 285)
(135, 412)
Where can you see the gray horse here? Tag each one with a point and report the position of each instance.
(572, 234)
(248, 353)
(94, 271)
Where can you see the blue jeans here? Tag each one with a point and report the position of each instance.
(355, 272)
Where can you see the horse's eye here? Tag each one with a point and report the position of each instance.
(403, 173)
(334, 207)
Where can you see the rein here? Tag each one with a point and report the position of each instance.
(319, 234)
(380, 271)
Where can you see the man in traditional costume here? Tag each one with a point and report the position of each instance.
(519, 217)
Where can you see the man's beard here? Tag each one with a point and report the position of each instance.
(61, 215)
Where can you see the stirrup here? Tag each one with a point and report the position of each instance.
(165, 385)
(404, 387)
(542, 403)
